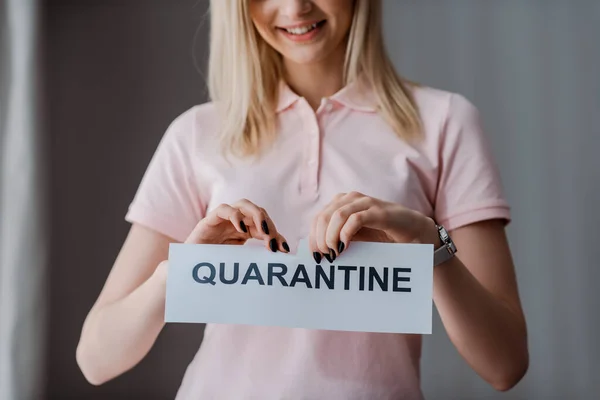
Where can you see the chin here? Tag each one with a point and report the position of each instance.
(307, 54)
(303, 59)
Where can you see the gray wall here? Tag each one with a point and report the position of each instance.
(119, 71)
(533, 69)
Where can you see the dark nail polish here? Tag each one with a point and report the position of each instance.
(341, 247)
(285, 246)
(332, 254)
(243, 226)
(273, 245)
(265, 227)
(317, 257)
(328, 257)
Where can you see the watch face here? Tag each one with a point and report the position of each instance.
(443, 233)
(446, 239)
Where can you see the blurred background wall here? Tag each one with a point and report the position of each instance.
(533, 69)
(117, 72)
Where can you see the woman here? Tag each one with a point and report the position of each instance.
(310, 133)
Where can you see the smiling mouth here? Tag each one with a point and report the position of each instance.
(303, 30)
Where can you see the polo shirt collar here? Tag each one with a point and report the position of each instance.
(356, 95)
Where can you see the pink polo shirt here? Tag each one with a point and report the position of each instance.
(344, 146)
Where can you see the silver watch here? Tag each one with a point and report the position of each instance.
(447, 250)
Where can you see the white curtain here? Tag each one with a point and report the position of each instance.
(23, 245)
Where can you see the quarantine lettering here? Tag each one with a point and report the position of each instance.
(387, 279)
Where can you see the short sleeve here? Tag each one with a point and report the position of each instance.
(167, 199)
(469, 185)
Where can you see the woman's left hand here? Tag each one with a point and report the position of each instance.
(355, 216)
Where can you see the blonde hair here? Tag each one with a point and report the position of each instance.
(244, 73)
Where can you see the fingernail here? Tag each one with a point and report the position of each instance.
(243, 226)
(317, 257)
(341, 247)
(265, 227)
(285, 246)
(332, 254)
(328, 257)
(273, 245)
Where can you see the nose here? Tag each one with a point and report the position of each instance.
(296, 8)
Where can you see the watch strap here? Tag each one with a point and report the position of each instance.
(441, 255)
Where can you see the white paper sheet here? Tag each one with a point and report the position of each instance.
(370, 287)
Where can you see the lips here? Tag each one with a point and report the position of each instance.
(303, 33)
(299, 30)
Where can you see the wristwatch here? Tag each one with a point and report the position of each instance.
(447, 250)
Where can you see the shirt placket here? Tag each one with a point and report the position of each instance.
(312, 158)
(313, 126)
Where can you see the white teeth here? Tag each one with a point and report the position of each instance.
(301, 30)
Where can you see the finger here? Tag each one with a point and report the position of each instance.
(337, 198)
(339, 218)
(355, 195)
(222, 214)
(366, 218)
(235, 216)
(312, 242)
(262, 221)
(271, 243)
(283, 244)
(263, 227)
(322, 221)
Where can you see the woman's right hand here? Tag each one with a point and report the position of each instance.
(235, 224)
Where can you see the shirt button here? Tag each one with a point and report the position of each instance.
(312, 163)
(328, 107)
